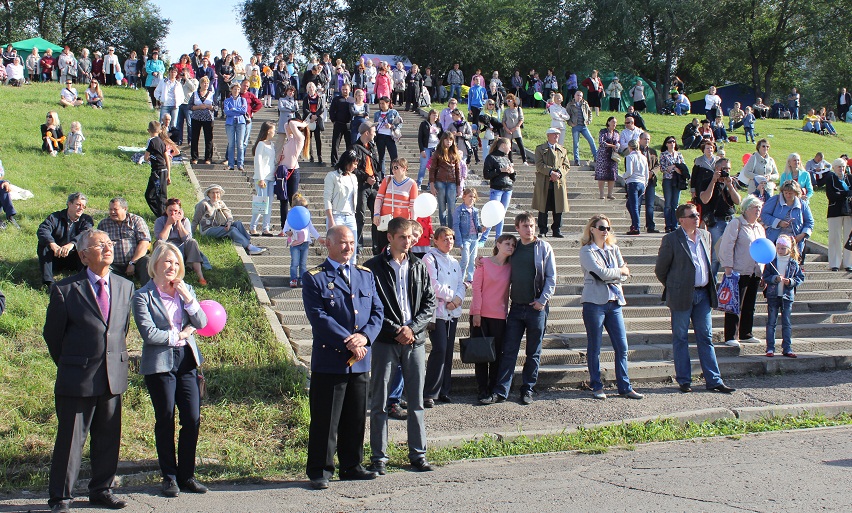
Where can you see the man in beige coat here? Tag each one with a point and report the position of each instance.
(551, 190)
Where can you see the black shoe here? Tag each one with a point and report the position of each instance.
(14, 222)
(319, 484)
(633, 232)
(835, 269)
(558, 235)
(652, 230)
(170, 488)
(379, 467)
(445, 399)
(526, 398)
(849, 269)
(498, 398)
(724, 389)
(358, 474)
(403, 404)
(685, 388)
(192, 486)
(422, 465)
(61, 507)
(395, 412)
(108, 500)
(542, 235)
(428, 403)
(488, 399)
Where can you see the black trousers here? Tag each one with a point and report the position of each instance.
(366, 201)
(550, 206)
(316, 139)
(338, 419)
(77, 417)
(841, 112)
(520, 142)
(178, 387)
(614, 103)
(486, 373)
(398, 98)
(384, 143)
(140, 271)
(339, 130)
(292, 185)
(197, 127)
(745, 321)
(156, 193)
(49, 264)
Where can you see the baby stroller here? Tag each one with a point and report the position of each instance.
(425, 99)
(669, 108)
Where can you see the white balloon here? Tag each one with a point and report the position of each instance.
(425, 205)
(493, 213)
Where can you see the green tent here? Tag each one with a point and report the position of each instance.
(26, 46)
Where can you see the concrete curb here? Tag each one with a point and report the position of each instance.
(832, 409)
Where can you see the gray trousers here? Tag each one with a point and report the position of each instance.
(385, 358)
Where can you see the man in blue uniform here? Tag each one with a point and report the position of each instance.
(346, 316)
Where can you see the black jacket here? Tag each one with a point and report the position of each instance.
(421, 297)
(494, 170)
(835, 193)
(339, 110)
(363, 155)
(58, 228)
(423, 134)
(306, 111)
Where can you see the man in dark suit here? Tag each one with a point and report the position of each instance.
(346, 316)
(85, 330)
(58, 235)
(844, 100)
(683, 267)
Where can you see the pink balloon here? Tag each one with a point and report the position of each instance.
(746, 157)
(216, 318)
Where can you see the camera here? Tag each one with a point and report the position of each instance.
(724, 174)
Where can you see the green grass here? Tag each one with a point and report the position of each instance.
(254, 424)
(785, 137)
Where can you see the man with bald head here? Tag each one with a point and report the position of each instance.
(346, 316)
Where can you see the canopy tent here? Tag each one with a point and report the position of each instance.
(729, 93)
(26, 46)
(391, 59)
(627, 82)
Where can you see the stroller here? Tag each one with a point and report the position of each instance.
(669, 107)
(425, 99)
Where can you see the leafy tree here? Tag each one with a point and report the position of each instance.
(306, 26)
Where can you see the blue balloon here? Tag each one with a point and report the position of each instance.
(119, 76)
(299, 218)
(762, 251)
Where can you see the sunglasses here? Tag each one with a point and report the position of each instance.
(693, 215)
(604, 228)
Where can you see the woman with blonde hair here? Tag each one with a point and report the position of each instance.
(603, 271)
(53, 140)
(795, 171)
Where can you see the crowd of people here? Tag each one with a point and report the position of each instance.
(370, 322)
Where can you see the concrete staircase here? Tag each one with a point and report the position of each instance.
(822, 316)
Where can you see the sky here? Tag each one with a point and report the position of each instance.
(212, 24)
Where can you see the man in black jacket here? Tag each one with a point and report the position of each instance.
(403, 285)
(691, 138)
(341, 116)
(370, 175)
(844, 100)
(58, 236)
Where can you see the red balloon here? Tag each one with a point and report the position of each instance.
(746, 157)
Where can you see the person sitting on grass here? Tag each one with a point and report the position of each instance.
(174, 227)
(68, 96)
(74, 143)
(53, 140)
(6, 202)
(94, 95)
(213, 219)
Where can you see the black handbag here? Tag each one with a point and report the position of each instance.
(846, 207)
(478, 350)
(848, 245)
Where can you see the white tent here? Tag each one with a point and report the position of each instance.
(391, 59)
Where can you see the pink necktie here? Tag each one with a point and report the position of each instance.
(103, 299)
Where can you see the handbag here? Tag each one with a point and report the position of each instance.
(729, 294)
(478, 350)
(846, 207)
(259, 205)
(202, 383)
(848, 245)
(383, 222)
(615, 157)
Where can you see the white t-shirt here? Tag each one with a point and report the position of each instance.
(69, 94)
(711, 100)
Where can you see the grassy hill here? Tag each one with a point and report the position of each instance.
(784, 136)
(254, 422)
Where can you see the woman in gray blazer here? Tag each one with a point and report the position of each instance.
(603, 271)
(167, 315)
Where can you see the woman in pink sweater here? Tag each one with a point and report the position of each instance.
(488, 317)
(383, 84)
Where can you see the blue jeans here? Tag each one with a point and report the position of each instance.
(575, 134)
(422, 173)
(635, 190)
(749, 133)
(447, 192)
(468, 256)
(171, 111)
(716, 234)
(521, 318)
(184, 119)
(247, 134)
(596, 318)
(785, 306)
(504, 197)
(455, 91)
(349, 220)
(703, 328)
(298, 260)
(237, 233)
(811, 127)
(671, 196)
(681, 109)
(650, 200)
(236, 149)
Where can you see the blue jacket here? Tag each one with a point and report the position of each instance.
(793, 273)
(461, 223)
(235, 110)
(476, 96)
(337, 310)
(775, 211)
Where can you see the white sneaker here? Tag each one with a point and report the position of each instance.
(752, 340)
(732, 343)
(254, 250)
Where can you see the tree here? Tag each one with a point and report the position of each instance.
(307, 26)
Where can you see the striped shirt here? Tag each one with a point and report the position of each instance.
(396, 198)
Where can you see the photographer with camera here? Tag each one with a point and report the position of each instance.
(718, 197)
